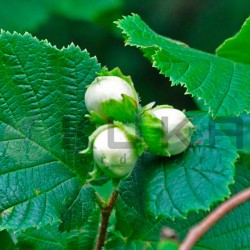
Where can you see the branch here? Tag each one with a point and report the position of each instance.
(199, 230)
(105, 212)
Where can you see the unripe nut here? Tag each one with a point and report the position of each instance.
(167, 131)
(114, 153)
(104, 91)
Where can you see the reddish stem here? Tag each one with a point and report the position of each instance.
(199, 230)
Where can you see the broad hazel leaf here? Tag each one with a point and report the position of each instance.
(237, 48)
(48, 237)
(222, 83)
(194, 180)
(238, 128)
(231, 233)
(42, 129)
(80, 210)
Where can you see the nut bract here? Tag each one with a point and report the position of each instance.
(166, 131)
(111, 98)
(114, 153)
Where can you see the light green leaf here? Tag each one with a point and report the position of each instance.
(42, 129)
(237, 48)
(223, 84)
(167, 245)
(193, 180)
(48, 238)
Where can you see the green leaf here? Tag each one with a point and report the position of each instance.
(214, 22)
(48, 238)
(231, 233)
(80, 210)
(237, 48)
(82, 10)
(7, 242)
(134, 230)
(194, 180)
(42, 129)
(28, 15)
(118, 241)
(105, 190)
(20, 16)
(223, 84)
(238, 129)
(167, 245)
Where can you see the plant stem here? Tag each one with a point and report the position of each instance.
(105, 214)
(199, 230)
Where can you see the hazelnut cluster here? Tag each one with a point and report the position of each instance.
(125, 130)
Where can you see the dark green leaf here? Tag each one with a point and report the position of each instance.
(82, 10)
(238, 128)
(48, 238)
(28, 15)
(118, 243)
(21, 16)
(42, 129)
(7, 242)
(80, 209)
(223, 84)
(231, 233)
(213, 22)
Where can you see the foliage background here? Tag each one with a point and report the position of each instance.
(201, 24)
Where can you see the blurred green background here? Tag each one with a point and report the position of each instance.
(202, 24)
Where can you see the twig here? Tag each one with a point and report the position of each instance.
(199, 230)
(105, 212)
